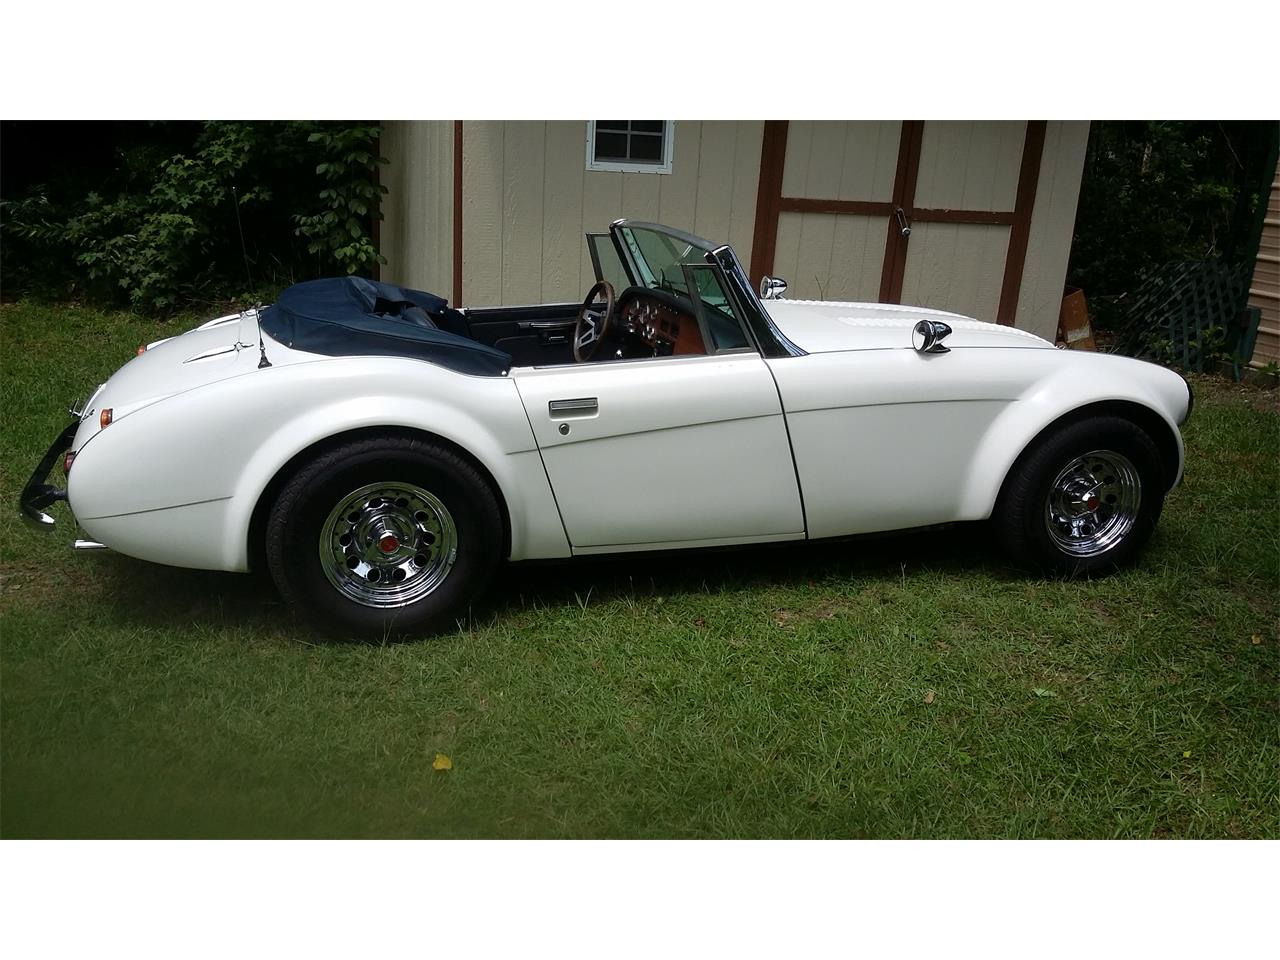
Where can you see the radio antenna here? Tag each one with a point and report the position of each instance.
(262, 347)
(244, 250)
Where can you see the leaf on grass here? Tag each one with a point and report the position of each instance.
(928, 697)
(1042, 692)
(1256, 639)
(441, 762)
(1186, 754)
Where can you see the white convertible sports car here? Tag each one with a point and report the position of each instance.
(381, 452)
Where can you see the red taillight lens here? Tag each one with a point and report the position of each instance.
(68, 460)
(104, 418)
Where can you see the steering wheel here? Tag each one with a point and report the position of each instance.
(595, 321)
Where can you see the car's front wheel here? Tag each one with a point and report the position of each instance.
(1085, 499)
(384, 538)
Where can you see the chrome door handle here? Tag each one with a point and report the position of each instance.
(581, 407)
(545, 324)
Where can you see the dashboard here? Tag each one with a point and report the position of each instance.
(660, 322)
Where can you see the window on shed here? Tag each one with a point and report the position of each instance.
(632, 146)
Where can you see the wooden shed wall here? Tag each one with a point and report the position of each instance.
(527, 201)
(416, 233)
(1264, 289)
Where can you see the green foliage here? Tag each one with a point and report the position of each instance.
(351, 191)
(1155, 192)
(173, 228)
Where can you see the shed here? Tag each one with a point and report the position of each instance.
(1264, 288)
(974, 217)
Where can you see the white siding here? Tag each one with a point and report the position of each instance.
(825, 256)
(1053, 219)
(416, 234)
(528, 201)
(956, 266)
(835, 160)
(969, 166)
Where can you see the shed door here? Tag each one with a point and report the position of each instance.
(935, 214)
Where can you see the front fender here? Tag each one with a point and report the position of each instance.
(1075, 382)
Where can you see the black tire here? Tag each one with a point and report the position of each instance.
(1021, 517)
(302, 518)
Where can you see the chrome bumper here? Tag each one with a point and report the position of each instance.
(38, 493)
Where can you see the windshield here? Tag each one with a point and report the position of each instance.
(660, 257)
(678, 263)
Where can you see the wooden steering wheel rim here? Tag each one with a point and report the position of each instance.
(584, 351)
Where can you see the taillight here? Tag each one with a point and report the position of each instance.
(104, 418)
(68, 460)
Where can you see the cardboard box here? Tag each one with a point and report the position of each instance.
(1074, 331)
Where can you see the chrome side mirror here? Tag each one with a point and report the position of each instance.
(772, 288)
(927, 336)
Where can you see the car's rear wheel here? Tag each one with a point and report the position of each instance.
(1084, 500)
(384, 538)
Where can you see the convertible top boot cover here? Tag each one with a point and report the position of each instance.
(352, 316)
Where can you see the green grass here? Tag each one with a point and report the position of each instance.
(913, 686)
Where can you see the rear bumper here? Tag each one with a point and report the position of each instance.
(39, 493)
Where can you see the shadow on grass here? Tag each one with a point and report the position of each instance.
(147, 595)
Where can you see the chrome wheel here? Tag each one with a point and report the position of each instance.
(1093, 503)
(388, 545)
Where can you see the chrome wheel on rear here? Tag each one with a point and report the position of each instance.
(388, 545)
(1093, 503)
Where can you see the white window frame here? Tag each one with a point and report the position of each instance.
(622, 166)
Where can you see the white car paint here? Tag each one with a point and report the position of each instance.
(680, 452)
(177, 481)
(680, 449)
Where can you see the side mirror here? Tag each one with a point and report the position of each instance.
(927, 336)
(772, 288)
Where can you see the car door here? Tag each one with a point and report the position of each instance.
(665, 452)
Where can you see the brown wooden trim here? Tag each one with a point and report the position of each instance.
(773, 159)
(904, 193)
(862, 208)
(1024, 204)
(996, 218)
(884, 208)
(457, 213)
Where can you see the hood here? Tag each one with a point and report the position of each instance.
(828, 326)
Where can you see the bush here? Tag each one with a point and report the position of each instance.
(1157, 192)
(206, 223)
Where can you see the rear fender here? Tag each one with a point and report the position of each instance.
(224, 442)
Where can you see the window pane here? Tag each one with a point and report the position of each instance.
(647, 148)
(605, 254)
(717, 312)
(644, 143)
(611, 146)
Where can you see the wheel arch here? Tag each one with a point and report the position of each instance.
(1162, 434)
(256, 532)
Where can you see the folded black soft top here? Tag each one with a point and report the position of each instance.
(351, 316)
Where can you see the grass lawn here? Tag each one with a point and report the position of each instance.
(914, 686)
